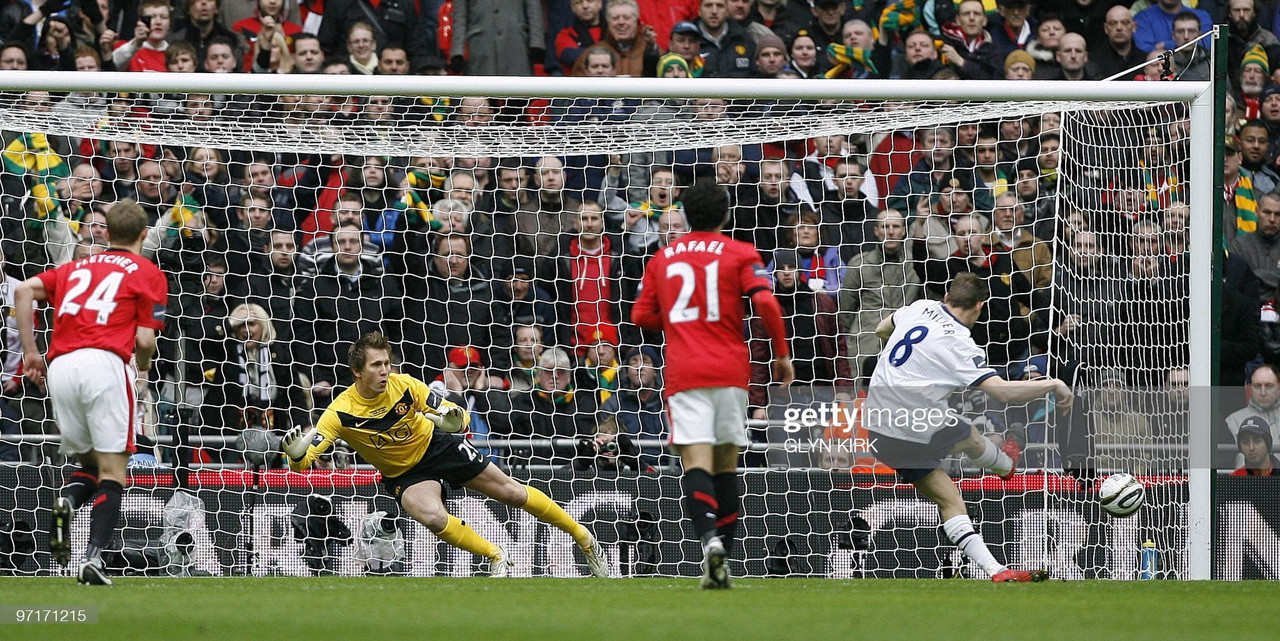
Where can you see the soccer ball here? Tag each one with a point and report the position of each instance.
(1121, 494)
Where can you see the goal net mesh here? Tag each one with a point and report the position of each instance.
(499, 242)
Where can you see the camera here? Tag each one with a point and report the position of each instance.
(320, 531)
(319, 505)
(146, 20)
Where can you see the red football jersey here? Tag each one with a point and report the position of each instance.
(698, 287)
(100, 301)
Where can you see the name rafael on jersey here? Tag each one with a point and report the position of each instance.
(714, 247)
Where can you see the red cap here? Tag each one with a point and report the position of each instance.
(464, 356)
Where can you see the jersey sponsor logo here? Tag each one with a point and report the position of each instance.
(375, 424)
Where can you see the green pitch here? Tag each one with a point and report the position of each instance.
(330, 609)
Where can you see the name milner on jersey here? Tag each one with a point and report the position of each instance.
(942, 317)
(714, 247)
(114, 259)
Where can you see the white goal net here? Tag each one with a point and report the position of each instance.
(498, 242)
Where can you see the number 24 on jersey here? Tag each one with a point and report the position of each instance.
(102, 300)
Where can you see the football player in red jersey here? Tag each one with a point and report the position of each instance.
(694, 290)
(107, 309)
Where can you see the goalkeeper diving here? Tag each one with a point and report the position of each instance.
(397, 424)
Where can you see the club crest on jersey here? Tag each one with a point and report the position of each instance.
(401, 409)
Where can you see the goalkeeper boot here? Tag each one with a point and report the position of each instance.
(500, 568)
(715, 572)
(1020, 576)
(92, 572)
(596, 561)
(60, 531)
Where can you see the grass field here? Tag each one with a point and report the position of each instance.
(329, 609)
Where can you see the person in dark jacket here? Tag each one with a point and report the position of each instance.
(519, 300)
(277, 285)
(966, 45)
(554, 408)
(349, 297)
(727, 48)
(636, 411)
(1261, 249)
(450, 303)
(397, 24)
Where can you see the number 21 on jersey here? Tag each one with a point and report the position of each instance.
(682, 312)
(102, 300)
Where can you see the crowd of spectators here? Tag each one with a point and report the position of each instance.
(507, 282)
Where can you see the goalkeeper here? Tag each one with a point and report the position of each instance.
(408, 432)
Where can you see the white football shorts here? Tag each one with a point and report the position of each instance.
(93, 400)
(715, 415)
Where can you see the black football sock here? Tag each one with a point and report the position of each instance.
(105, 514)
(81, 485)
(700, 503)
(730, 499)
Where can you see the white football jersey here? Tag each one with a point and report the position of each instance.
(929, 357)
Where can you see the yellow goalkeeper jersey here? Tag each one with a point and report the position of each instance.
(389, 432)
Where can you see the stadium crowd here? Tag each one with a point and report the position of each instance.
(507, 282)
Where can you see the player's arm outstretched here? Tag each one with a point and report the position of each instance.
(302, 446)
(1026, 391)
(1003, 390)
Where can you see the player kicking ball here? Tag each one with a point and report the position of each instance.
(397, 424)
(929, 355)
(694, 290)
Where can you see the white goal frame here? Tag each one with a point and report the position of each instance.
(1199, 95)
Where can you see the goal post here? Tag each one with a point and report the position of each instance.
(421, 170)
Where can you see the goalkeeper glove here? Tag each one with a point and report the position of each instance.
(453, 419)
(295, 443)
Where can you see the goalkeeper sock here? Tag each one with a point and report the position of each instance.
(729, 497)
(993, 459)
(105, 514)
(541, 506)
(960, 530)
(700, 503)
(460, 535)
(81, 485)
